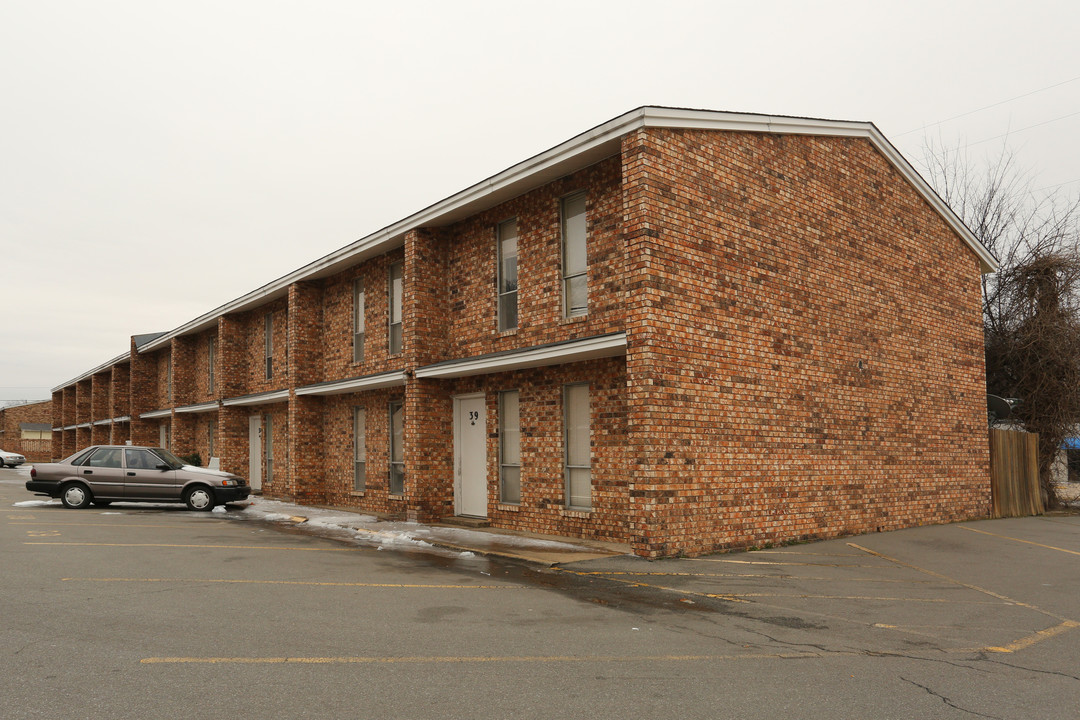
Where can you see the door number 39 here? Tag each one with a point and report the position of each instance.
(473, 417)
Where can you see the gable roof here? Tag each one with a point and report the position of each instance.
(578, 152)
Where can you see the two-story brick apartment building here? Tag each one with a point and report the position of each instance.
(685, 330)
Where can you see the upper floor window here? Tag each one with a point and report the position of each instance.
(575, 265)
(508, 274)
(358, 321)
(396, 292)
(268, 334)
(210, 352)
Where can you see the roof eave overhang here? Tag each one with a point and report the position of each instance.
(579, 152)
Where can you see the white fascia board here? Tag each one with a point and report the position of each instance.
(369, 382)
(260, 399)
(84, 425)
(709, 120)
(156, 414)
(200, 408)
(103, 422)
(577, 351)
(580, 151)
(103, 366)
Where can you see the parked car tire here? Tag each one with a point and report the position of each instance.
(76, 496)
(200, 498)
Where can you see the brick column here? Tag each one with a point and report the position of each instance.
(183, 370)
(306, 468)
(99, 407)
(429, 475)
(58, 446)
(232, 439)
(143, 395)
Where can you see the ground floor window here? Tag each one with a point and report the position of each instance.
(209, 442)
(268, 446)
(359, 449)
(578, 444)
(397, 451)
(1072, 461)
(509, 447)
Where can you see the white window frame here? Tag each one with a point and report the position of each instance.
(395, 341)
(509, 440)
(570, 276)
(503, 295)
(359, 449)
(268, 448)
(210, 352)
(268, 337)
(576, 470)
(396, 485)
(359, 305)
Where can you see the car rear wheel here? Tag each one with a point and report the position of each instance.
(199, 498)
(76, 496)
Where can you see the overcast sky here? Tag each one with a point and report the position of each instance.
(158, 159)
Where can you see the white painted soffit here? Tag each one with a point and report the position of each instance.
(156, 414)
(200, 408)
(578, 152)
(558, 354)
(103, 366)
(259, 399)
(368, 382)
(103, 422)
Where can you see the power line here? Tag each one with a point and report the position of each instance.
(993, 105)
(1029, 127)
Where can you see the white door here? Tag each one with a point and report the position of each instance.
(470, 456)
(255, 451)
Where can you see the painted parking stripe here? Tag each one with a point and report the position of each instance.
(227, 581)
(210, 547)
(1026, 542)
(486, 659)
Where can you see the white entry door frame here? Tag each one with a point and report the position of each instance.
(470, 455)
(255, 451)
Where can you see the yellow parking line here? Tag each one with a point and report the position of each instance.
(108, 525)
(1026, 542)
(487, 659)
(976, 588)
(211, 547)
(1035, 638)
(296, 582)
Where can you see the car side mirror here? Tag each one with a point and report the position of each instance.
(163, 466)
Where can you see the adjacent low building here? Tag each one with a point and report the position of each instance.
(26, 429)
(684, 330)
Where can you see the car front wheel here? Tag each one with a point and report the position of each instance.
(76, 496)
(199, 498)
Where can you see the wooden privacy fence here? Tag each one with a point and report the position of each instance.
(1014, 474)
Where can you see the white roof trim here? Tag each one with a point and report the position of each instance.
(578, 152)
(576, 351)
(260, 399)
(200, 408)
(368, 382)
(103, 366)
(156, 414)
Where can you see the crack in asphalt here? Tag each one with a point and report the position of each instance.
(1031, 669)
(947, 701)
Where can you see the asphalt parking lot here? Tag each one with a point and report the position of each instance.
(151, 611)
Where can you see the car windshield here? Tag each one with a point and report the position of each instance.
(171, 460)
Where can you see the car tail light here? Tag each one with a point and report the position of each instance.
(33, 472)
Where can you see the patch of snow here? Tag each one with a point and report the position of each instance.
(35, 503)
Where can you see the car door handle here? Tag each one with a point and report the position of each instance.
(131, 474)
(87, 472)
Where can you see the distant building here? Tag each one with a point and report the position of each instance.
(27, 430)
(684, 330)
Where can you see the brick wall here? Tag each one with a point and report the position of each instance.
(472, 292)
(806, 345)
